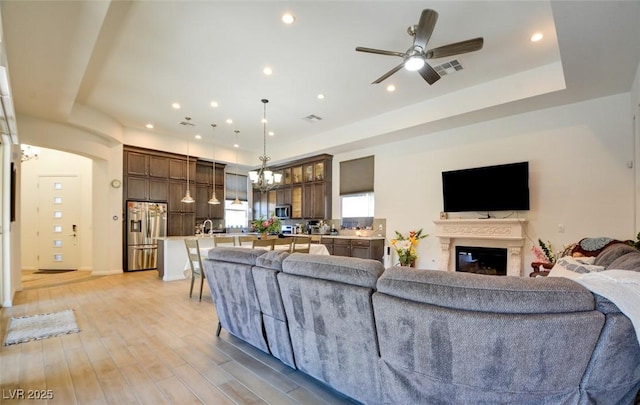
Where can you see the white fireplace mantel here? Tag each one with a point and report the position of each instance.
(501, 233)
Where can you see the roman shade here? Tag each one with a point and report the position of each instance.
(235, 182)
(356, 176)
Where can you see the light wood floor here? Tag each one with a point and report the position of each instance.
(142, 341)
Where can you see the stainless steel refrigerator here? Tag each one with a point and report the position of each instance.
(145, 222)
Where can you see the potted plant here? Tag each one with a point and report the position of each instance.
(405, 247)
(266, 226)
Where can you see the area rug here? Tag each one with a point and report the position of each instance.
(41, 326)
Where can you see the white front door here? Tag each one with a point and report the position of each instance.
(58, 203)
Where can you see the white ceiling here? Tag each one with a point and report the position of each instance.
(132, 60)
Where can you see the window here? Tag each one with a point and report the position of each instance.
(357, 205)
(357, 210)
(356, 192)
(236, 215)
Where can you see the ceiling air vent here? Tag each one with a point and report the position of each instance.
(312, 118)
(448, 68)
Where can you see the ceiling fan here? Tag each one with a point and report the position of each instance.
(415, 58)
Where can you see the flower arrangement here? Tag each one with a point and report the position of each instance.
(405, 246)
(270, 225)
(543, 252)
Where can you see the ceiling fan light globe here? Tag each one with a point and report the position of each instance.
(414, 63)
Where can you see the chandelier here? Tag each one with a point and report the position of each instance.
(264, 179)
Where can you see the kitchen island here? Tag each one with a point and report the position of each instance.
(172, 255)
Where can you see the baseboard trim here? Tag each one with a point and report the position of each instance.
(106, 272)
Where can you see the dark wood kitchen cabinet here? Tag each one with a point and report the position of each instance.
(264, 204)
(355, 247)
(204, 181)
(146, 165)
(342, 247)
(306, 187)
(146, 189)
(151, 175)
(368, 249)
(328, 243)
(181, 223)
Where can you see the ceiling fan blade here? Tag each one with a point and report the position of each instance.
(429, 74)
(469, 45)
(389, 73)
(427, 23)
(380, 51)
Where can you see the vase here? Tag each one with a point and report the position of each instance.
(264, 235)
(412, 263)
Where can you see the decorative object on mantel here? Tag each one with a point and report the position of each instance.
(213, 200)
(405, 247)
(187, 195)
(543, 252)
(266, 226)
(264, 179)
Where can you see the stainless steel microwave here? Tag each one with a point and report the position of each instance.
(283, 211)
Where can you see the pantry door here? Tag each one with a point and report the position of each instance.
(58, 203)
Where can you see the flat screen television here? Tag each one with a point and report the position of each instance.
(491, 188)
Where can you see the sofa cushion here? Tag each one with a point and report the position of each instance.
(630, 261)
(477, 292)
(272, 260)
(612, 252)
(348, 270)
(235, 255)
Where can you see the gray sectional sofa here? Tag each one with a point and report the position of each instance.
(407, 336)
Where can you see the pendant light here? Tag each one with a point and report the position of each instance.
(187, 196)
(237, 200)
(214, 200)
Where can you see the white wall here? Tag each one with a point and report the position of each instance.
(55, 163)
(635, 112)
(579, 177)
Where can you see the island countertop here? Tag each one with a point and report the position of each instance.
(351, 237)
(316, 236)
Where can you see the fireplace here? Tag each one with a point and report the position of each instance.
(481, 260)
(507, 234)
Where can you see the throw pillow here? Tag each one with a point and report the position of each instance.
(576, 265)
(613, 252)
(630, 261)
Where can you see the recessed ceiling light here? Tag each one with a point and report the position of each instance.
(235, 145)
(264, 120)
(271, 133)
(198, 136)
(176, 106)
(288, 18)
(229, 121)
(214, 104)
(536, 37)
(150, 126)
(267, 70)
(320, 96)
(391, 88)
